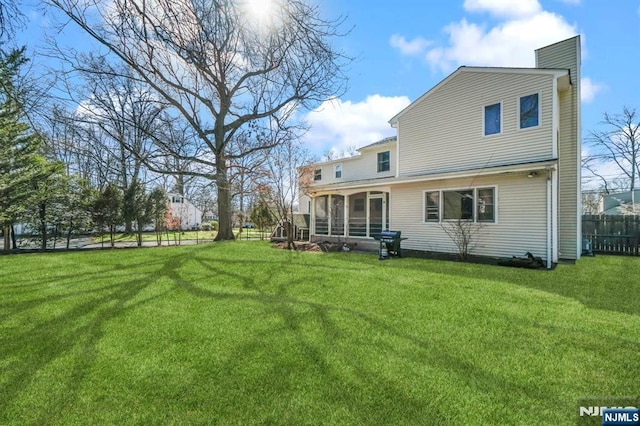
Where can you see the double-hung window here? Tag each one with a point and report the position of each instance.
(432, 206)
(338, 170)
(493, 119)
(529, 111)
(485, 205)
(384, 161)
(317, 174)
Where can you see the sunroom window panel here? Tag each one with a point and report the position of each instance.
(337, 215)
(358, 215)
(322, 215)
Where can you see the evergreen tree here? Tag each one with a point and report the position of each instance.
(21, 163)
(107, 210)
(157, 205)
(78, 203)
(47, 206)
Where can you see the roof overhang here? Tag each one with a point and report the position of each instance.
(426, 177)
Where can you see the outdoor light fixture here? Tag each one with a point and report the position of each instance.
(532, 174)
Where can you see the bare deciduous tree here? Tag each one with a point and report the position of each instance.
(220, 65)
(463, 233)
(618, 143)
(285, 178)
(10, 17)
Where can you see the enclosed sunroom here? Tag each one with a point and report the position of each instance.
(353, 215)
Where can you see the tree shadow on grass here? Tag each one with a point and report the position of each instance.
(31, 349)
(364, 394)
(312, 359)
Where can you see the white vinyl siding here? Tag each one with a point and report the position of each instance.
(520, 216)
(444, 131)
(566, 54)
(363, 166)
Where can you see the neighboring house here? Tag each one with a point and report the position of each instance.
(188, 215)
(620, 203)
(498, 147)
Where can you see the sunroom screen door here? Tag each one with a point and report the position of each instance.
(376, 215)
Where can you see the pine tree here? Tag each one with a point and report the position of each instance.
(20, 160)
(107, 210)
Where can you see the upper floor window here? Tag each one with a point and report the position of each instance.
(492, 119)
(529, 108)
(384, 161)
(317, 174)
(338, 169)
(177, 200)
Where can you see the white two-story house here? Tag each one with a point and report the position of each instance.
(185, 214)
(497, 147)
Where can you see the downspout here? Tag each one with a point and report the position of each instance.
(312, 217)
(549, 220)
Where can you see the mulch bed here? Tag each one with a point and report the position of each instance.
(321, 247)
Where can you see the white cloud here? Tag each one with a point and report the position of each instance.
(504, 8)
(589, 89)
(338, 125)
(416, 46)
(509, 43)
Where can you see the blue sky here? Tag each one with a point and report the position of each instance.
(404, 48)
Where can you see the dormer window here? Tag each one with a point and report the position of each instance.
(384, 161)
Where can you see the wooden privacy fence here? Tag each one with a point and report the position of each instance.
(613, 234)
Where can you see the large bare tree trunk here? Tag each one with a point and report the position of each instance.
(211, 63)
(225, 227)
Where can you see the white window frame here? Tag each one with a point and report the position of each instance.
(495, 204)
(317, 175)
(501, 119)
(518, 123)
(475, 205)
(424, 206)
(337, 169)
(378, 161)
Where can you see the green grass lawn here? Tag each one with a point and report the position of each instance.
(240, 333)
